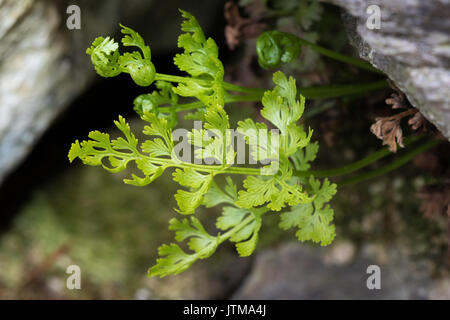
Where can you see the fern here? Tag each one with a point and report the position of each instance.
(269, 186)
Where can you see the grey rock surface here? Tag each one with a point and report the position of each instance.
(295, 271)
(43, 65)
(412, 47)
(41, 68)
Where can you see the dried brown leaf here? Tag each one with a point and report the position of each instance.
(397, 99)
(389, 131)
(417, 121)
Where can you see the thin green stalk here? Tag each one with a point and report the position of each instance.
(217, 169)
(226, 85)
(236, 88)
(334, 172)
(243, 98)
(245, 222)
(199, 104)
(327, 91)
(317, 92)
(172, 78)
(186, 106)
(339, 90)
(317, 109)
(339, 57)
(229, 233)
(358, 164)
(391, 166)
(321, 92)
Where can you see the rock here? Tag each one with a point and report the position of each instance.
(43, 65)
(41, 68)
(296, 271)
(411, 47)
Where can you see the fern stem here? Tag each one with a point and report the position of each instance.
(391, 166)
(229, 233)
(216, 169)
(318, 92)
(359, 164)
(172, 78)
(339, 90)
(236, 88)
(242, 224)
(339, 57)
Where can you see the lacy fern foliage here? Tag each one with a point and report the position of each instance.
(302, 203)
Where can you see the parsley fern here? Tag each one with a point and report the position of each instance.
(270, 186)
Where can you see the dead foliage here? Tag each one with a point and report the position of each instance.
(388, 129)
